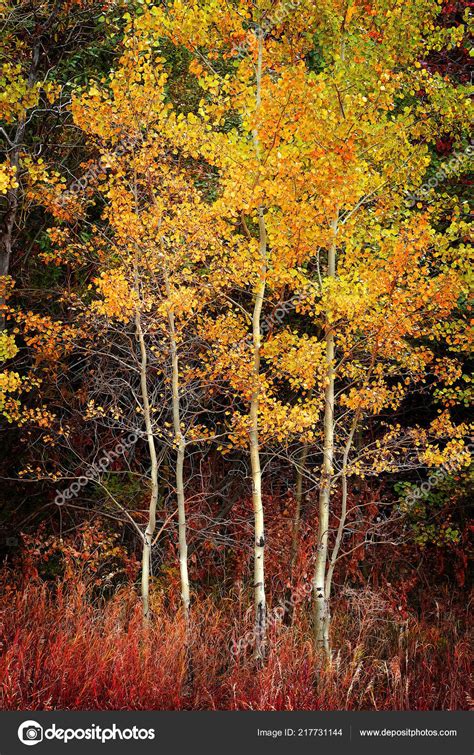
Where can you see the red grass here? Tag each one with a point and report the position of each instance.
(61, 652)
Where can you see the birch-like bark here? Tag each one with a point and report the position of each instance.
(344, 487)
(322, 615)
(321, 599)
(342, 519)
(12, 197)
(259, 530)
(179, 472)
(148, 535)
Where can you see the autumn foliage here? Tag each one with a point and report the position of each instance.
(235, 354)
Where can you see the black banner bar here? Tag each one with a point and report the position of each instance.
(242, 733)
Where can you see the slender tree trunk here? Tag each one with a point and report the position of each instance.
(148, 535)
(179, 473)
(300, 467)
(259, 531)
(7, 223)
(344, 487)
(321, 585)
(6, 230)
(342, 519)
(321, 599)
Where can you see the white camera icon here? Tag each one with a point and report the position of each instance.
(30, 733)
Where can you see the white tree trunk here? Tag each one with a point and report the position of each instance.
(344, 488)
(148, 535)
(259, 529)
(342, 519)
(179, 473)
(321, 598)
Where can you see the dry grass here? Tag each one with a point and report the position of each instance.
(60, 651)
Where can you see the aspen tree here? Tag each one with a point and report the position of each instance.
(310, 137)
